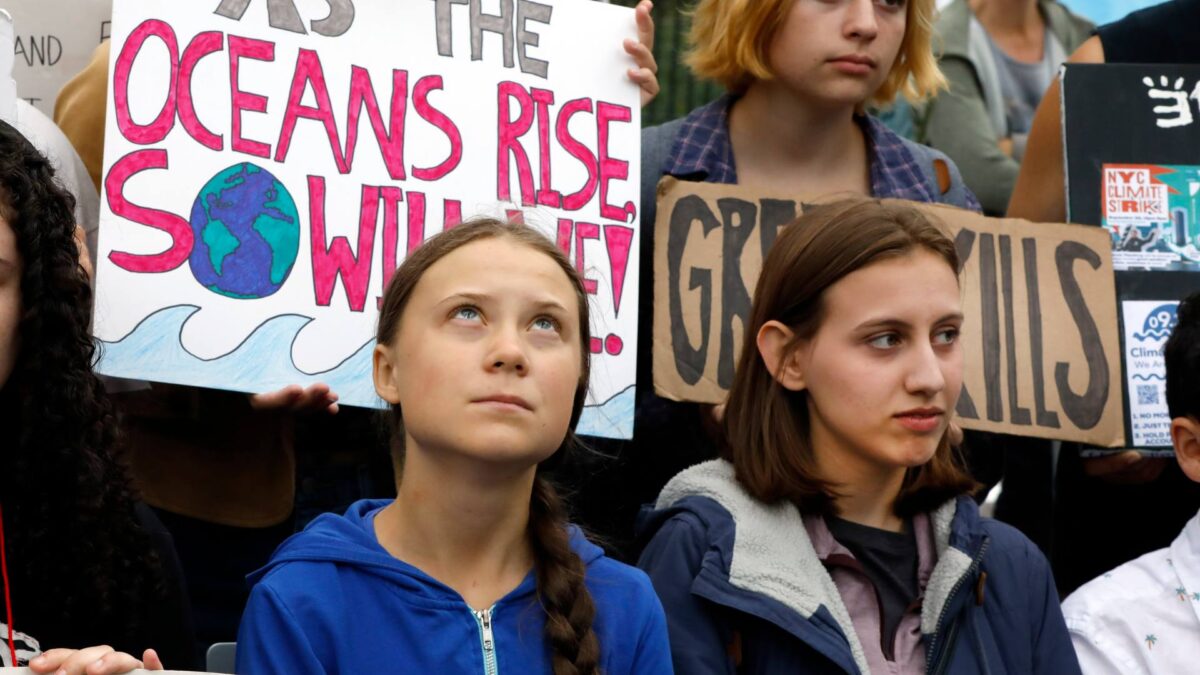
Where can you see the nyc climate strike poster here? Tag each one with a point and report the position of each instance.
(269, 164)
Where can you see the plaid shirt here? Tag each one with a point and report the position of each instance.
(702, 151)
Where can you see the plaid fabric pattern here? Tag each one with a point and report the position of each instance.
(702, 151)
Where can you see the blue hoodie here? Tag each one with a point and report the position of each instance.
(332, 600)
(745, 592)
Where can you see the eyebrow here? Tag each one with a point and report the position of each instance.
(481, 298)
(873, 324)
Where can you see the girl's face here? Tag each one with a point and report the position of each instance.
(837, 51)
(10, 299)
(884, 370)
(487, 357)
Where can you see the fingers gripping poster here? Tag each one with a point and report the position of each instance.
(269, 163)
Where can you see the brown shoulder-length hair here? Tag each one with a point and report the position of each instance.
(766, 426)
(558, 570)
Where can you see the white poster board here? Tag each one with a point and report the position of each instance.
(265, 171)
(1148, 324)
(54, 40)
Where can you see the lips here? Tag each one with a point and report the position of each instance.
(856, 59)
(505, 400)
(921, 420)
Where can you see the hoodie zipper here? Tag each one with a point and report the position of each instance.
(943, 659)
(487, 640)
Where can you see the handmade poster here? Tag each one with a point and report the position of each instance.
(1131, 134)
(269, 164)
(54, 40)
(1040, 344)
(1148, 324)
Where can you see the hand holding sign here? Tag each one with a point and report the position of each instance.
(645, 75)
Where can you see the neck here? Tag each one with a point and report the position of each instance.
(770, 125)
(462, 523)
(1008, 16)
(866, 492)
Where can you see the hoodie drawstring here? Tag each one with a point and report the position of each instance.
(12, 646)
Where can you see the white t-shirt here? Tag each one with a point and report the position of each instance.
(1144, 616)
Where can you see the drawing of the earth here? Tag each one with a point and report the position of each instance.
(247, 233)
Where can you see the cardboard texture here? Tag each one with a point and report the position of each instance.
(1040, 343)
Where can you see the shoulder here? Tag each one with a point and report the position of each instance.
(622, 588)
(941, 175)
(1129, 588)
(1070, 28)
(1009, 545)
(951, 24)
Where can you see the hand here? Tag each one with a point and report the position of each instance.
(1006, 146)
(645, 75)
(295, 398)
(1128, 467)
(100, 660)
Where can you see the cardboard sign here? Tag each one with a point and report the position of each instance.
(1040, 339)
(268, 166)
(1131, 134)
(54, 40)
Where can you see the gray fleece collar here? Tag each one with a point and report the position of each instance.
(773, 556)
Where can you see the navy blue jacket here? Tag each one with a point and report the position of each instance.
(332, 600)
(740, 582)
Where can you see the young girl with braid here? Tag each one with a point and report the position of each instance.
(482, 354)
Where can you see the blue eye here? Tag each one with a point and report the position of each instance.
(467, 313)
(886, 341)
(946, 337)
(545, 323)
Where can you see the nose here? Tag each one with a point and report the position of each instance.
(925, 376)
(860, 22)
(507, 352)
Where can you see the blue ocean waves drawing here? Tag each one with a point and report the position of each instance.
(153, 351)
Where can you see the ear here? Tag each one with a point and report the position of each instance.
(772, 340)
(1185, 435)
(383, 371)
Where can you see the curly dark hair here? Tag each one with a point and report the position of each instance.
(82, 569)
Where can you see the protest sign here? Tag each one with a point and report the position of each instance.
(266, 170)
(54, 40)
(1040, 339)
(1131, 134)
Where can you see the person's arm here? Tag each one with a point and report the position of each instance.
(672, 560)
(271, 640)
(958, 124)
(653, 652)
(1040, 192)
(1052, 650)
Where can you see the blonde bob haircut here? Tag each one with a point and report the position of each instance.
(729, 41)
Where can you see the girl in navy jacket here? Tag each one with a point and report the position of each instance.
(483, 354)
(835, 535)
